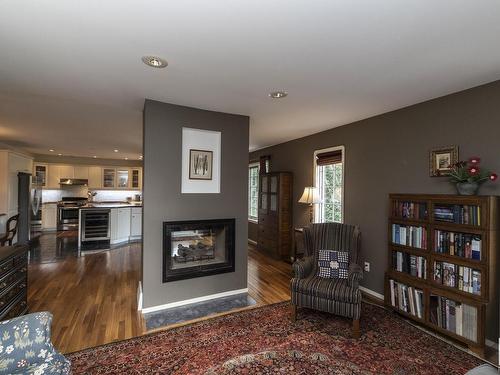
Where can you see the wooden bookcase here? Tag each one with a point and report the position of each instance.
(275, 214)
(472, 218)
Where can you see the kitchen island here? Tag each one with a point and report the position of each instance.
(105, 224)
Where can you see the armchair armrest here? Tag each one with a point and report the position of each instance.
(355, 275)
(302, 268)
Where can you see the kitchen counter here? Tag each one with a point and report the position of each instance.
(110, 205)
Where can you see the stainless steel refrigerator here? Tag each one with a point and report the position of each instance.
(30, 208)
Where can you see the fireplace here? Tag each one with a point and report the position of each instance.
(197, 248)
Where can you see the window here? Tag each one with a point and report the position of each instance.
(253, 191)
(329, 179)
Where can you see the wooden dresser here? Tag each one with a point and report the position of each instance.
(13, 281)
(275, 214)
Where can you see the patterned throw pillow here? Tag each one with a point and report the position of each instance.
(333, 264)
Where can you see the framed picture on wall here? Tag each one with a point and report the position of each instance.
(200, 164)
(442, 159)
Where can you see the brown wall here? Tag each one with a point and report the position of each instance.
(389, 153)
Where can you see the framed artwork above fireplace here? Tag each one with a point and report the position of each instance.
(198, 248)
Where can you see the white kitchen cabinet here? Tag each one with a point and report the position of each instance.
(95, 177)
(53, 177)
(120, 225)
(66, 171)
(49, 216)
(81, 172)
(122, 178)
(136, 178)
(40, 173)
(136, 223)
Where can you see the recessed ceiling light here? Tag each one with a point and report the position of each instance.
(95, 157)
(126, 158)
(154, 61)
(278, 94)
(59, 154)
(51, 150)
(140, 157)
(115, 150)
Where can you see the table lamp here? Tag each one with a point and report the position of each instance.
(310, 197)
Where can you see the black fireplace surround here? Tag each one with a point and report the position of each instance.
(197, 248)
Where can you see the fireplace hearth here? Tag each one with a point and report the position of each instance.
(197, 248)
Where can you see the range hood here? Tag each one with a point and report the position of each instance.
(73, 181)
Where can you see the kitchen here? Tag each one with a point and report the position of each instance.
(100, 204)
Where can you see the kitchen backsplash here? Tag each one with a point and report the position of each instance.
(55, 195)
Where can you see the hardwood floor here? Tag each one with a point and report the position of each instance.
(94, 298)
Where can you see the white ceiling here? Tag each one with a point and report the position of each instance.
(71, 76)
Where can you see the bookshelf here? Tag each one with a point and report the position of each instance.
(442, 264)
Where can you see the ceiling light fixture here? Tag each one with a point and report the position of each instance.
(51, 150)
(278, 94)
(59, 154)
(126, 158)
(95, 156)
(154, 61)
(115, 150)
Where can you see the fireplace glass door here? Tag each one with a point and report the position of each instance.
(198, 248)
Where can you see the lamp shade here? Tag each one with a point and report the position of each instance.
(310, 195)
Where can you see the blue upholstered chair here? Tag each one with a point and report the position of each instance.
(334, 295)
(25, 347)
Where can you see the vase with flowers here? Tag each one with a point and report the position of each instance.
(468, 176)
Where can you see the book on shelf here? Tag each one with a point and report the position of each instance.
(409, 235)
(458, 214)
(463, 278)
(463, 245)
(407, 298)
(409, 210)
(411, 264)
(454, 316)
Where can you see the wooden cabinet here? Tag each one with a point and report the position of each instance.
(66, 171)
(49, 217)
(136, 223)
(53, 176)
(275, 214)
(13, 281)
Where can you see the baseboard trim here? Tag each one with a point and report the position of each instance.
(252, 242)
(139, 296)
(192, 300)
(492, 344)
(372, 293)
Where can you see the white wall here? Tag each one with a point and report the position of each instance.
(55, 195)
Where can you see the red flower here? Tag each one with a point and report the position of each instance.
(474, 160)
(473, 170)
(493, 176)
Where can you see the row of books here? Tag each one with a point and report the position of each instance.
(463, 278)
(411, 264)
(459, 244)
(409, 210)
(459, 214)
(407, 298)
(454, 316)
(409, 235)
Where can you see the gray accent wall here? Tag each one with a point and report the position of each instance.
(389, 153)
(163, 200)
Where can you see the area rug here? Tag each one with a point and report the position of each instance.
(264, 341)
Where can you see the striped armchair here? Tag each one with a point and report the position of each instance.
(337, 296)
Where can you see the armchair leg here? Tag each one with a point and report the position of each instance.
(293, 312)
(356, 333)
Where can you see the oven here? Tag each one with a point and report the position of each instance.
(67, 217)
(68, 212)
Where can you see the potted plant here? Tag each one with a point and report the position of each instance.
(468, 176)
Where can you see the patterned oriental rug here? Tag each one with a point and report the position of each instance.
(265, 341)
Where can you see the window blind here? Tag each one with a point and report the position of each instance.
(330, 157)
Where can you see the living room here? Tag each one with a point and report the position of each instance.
(288, 187)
